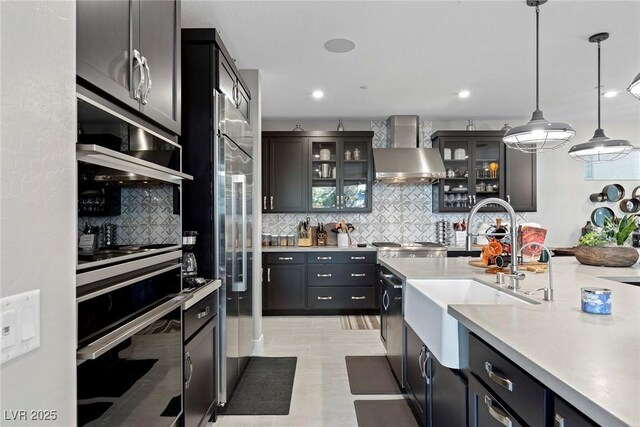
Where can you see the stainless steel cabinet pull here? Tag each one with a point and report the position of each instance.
(504, 382)
(271, 202)
(268, 274)
(558, 421)
(502, 419)
(325, 298)
(188, 381)
(423, 374)
(147, 89)
(137, 63)
(427, 366)
(264, 203)
(508, 198)
(358, 257)
(324, 257)
(358, 274)
(204, 313)
(324, 275)
(360, 297)
(474, 199)
(285, 258)
(385, 303)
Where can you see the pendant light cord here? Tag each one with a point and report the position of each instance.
(537, 57)
(599, 85)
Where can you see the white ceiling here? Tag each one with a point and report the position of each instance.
(415, 56)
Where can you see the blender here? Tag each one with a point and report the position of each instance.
(189, 265)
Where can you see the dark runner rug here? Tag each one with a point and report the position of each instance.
(265, 387)
(370, 375)
(384, 413)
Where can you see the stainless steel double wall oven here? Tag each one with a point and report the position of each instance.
(129, 285)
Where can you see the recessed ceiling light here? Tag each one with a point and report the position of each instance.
(364, 87)
(317, 94)
(610, 93)
(339, 45)
(464, 94)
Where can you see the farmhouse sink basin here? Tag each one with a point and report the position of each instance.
(425, 310)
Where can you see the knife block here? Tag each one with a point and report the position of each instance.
(306, 241)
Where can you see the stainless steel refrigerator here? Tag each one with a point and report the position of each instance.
(233, 199)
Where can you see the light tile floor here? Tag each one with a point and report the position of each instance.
(321, 395)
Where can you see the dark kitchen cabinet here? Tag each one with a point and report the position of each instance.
(286, 167)
(319, 282)
(520, 180)
(130, 50)
(480, 166)
(437, 393)
(487, 411)
(284, 287)
(336, 171)
(231, 83)
(566, 415)
(391, 322)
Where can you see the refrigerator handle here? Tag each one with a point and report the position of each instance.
(239, 278)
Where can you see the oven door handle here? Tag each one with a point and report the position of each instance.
(109, 341)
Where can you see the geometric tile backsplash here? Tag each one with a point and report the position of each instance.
(147, 217)
(401, 213)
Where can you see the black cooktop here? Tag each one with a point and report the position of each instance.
(386, 244)
(409, 245)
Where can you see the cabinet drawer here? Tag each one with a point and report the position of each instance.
(346, 297)
(515, 387)
(285, 258)
(196, 316)
(358, 257)
(341, 275)
(565, 415)
(485, 410)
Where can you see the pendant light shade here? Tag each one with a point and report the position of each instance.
(539, 135)
(600, 148)
(634, 87)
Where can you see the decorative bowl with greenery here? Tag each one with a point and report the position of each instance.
(609, 246)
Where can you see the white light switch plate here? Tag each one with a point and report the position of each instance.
(19, 324)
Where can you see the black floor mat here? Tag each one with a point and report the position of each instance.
(371, 375)
(88, 412)
(384, 413)
(173, 408)
(265, 387)
(97, 380)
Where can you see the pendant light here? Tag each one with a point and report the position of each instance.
(600, 148)
(539, 135)
(634, 87)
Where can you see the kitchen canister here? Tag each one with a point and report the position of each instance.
(325, 154)
(343, 240)
(447, 154)
(596, 300)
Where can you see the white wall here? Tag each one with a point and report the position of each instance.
(563, 194)
(38, 199)
(252, 78)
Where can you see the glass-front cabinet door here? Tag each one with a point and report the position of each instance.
(325, 159)
(341, 174)
(487, 169)
(356, 185)
(457, 163)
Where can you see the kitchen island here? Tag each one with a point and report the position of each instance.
(589, 360)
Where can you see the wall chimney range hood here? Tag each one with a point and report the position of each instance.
(404, 162)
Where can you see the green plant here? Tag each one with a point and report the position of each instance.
(620, 229)
(614, 232)
(593, 238)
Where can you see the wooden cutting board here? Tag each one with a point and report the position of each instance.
(534, 266)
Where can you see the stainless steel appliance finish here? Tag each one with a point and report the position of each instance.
(404, 161)
(410, 250)
(391, 316)
(234, 253)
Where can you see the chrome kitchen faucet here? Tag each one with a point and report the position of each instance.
(514, 275)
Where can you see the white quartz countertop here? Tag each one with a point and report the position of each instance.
(590, 360)
(201, 293)
(317, 249)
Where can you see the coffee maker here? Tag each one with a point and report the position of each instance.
(189, 265)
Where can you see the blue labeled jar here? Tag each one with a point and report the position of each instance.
(596, 300)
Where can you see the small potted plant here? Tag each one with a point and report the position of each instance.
(609, 246)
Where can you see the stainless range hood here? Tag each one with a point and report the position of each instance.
(404, 161)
